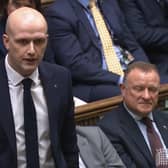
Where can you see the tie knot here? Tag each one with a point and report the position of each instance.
(27, 82)
(147, 121)
(92, 3)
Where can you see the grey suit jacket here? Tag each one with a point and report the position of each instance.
(95, 149)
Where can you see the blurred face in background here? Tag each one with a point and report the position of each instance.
(14, 4)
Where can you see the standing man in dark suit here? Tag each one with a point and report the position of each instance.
(55, 135)
(126, 127)
(76, 44)
(148, 21)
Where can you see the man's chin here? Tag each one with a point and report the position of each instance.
(28, 70)
(145, 106)
(145, 112)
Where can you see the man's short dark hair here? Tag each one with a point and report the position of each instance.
(143, 66)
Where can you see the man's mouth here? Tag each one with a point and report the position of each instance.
(30, 60)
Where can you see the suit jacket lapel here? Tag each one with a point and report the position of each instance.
(50, 85)
(84, 20)
(111, 16)
(6, 115)
(85, 152)
(127, 124)
(52, 95)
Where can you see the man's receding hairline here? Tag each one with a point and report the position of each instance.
(141, 70)
(141, 66)
(21, 13)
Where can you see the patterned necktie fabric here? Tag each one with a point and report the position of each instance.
(159, 154)
(112, 61)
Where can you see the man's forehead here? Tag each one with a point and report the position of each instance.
(27, 18)
(140, 76)
(28, 29)
(139, 72)
(29, 35)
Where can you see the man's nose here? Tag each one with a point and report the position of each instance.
(146, 93)
(31, 47)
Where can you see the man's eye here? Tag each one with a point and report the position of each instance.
(23, 42)
(138, 88)
(39, 41)
(153, 89)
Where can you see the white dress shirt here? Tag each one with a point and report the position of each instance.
(16, 96)
(81, 163)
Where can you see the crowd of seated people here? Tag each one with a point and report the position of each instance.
(83, 53)
(76, 43)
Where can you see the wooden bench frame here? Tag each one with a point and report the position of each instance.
(88, 114)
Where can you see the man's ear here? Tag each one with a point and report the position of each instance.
(6, 41)
(122, 88)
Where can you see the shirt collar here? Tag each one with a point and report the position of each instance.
(135, 116)
(84, 3)
(15, 78)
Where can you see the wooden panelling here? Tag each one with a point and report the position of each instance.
(88, 114)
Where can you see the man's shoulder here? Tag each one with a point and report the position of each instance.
(89, 130)
(160, 115)
(114, 113)
(59, 6)
(90, 133)
(112, 118)
(55, 4)
(52, 68)
(46, 64)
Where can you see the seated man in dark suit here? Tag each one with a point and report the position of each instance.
(138, 131)
(37, 127)
(95, 149)
(148, 21)
(77, 44)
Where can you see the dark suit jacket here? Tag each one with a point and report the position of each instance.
(149, 24)
(2, 31)
(127, 138)
(57, 87)
(76, 46)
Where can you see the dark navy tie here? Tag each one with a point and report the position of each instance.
(30, 126)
